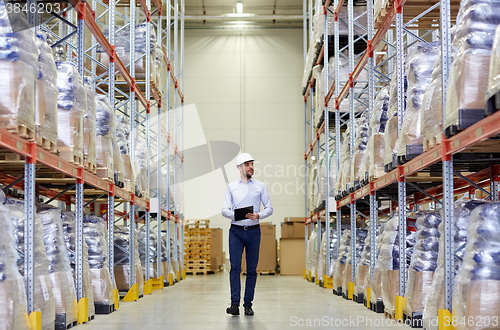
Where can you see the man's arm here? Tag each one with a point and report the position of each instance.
(227, 206)
(266, 201)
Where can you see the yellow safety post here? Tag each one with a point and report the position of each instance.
(83, 310)
(148, 287)
(133, 293)
(309, 277)
(444, 320)
(178, 276)
(158, 283)
(400, 304)
(170, 279)
(350, 290)
(183, 274)
(368, 293)
(35, 319)
(305, 274)
(116, 295)
(316, 279)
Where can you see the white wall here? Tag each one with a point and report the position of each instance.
(246, 86)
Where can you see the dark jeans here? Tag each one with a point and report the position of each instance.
(240, 238)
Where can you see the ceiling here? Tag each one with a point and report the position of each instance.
(221, 14)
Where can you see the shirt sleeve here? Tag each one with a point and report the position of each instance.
(266, 201)
(227, 206)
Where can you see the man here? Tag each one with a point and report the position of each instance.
(245, 233)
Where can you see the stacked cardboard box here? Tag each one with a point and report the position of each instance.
(293, 227)
(216, 257)
(197, 246)
(267, 252)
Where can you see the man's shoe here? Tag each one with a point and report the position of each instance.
(233, 310)
(248, 310)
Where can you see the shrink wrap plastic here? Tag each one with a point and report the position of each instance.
(322, 175)
(122, 141)
(158, 60)
(12, 292)
(360, 145)
(343, 176)
(71, 104)
(95, 234)
(141, 239)
(388, 261)
(477, 21)
(494, 74)
(333, 254)
(312, 252)
(122, 261)
(46, 91)
(360, 244)
(391, 127)
(419, 65)
(424, 261)
(153, 184)
(460, 221)
(104, 132)
(89, 124)
(44, 298)
(363, 274)
(69, 224)
(313, 184)
(19, 71)
(477, 285)
(341, 264)
(141, 165)
(375, 282)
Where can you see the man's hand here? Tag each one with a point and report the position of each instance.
(252, 216)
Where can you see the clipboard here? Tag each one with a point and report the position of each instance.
(240, 214)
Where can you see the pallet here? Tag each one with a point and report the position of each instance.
(46, 144)
(102, 308)
(377, 307)
(89, 166)
(60, 322)
(466, 118)
(338, 291)
(102, 172)
(492, 105)
(432, 142)
(414, 320)
(69, 154)
(10, 156)
(389, 315)
(21, 130)
(192, 224)
(391, 166)
(383, 13)
(358, 298)
(412, 151)
(196, 272)
(119, 180)
(201, 262)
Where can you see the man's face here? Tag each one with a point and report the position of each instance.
(247, 169)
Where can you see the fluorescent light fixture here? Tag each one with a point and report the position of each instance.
(238, 15)
(239, 7)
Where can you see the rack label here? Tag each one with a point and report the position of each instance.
(479, 132)
(19, 145)
(457, 143)
(41, 156)
(59, 164)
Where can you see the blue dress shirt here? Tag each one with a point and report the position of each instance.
(240, 194)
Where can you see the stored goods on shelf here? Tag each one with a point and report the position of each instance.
(322, 175)
(375, 282)
(122, 124)
(122, 261)
(12, 290)
(46, 95)
(141, 166)
(419, 65)
(477, 285)
(313, 183)
(68, 224)
(95, 234)
(63, 285)
(312, 252)
(158, 60)
(141, 240)
(168, 268)
(340, 265)
(19, 70)
(333, 253)
(71, 105)
(343, 176)
(44, 298)
(494, 75)
(473, 40)
(89, 128)
(423, 263)
(359, 150)
(460, 221)
(104, 137)
(360, 244)
(363, 274)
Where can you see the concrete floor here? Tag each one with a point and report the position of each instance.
(281, 302)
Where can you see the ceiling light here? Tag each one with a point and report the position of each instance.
(239, 7)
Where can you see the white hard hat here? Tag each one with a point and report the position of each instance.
(243, 158)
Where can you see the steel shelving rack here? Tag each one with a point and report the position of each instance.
(396, 186)
(132, 98)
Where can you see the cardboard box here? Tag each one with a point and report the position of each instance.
(292, 256)
(295, 219)
(216, 249)
(267, 251)
(293, 230)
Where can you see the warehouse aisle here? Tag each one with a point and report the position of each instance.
(200, 302)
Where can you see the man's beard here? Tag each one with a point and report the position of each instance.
(248, 175)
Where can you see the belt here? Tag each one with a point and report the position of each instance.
(245, 227)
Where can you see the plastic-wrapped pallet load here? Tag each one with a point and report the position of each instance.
(167, 266)
(313, 184)
(63, 285)
(344, 173)
(340, 265)
(19, 71)
(158, 61)
(311, 253)
(333, 253)
(46, 95)
(461, 217)
(122, 262)
(141, 240)
(122, 141)
(12, 291)
(322, 176)
(104, 137)
(95, 233)
(68, 224)
(71, 105)
(360, 146)
(141, 166)
(360, 244)
(89, 128)
(375, 282)
(374, 158)
(363, 274)
(44, 297)
(423, 263)
(419, 65)
(473, 41)
(494, 74)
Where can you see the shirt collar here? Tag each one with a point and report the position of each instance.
(251, 180)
